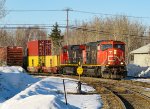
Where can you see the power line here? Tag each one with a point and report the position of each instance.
(31, 26)
(32, 10)
(108, 14)
(105, 32)
(17, 24)
(79, 11)
(48, 26)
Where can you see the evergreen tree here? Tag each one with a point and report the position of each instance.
(56, 39)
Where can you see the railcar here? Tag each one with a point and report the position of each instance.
(11, 55)
(105, 58)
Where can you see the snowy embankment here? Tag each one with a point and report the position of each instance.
(138, 71)
(12, 81)
(47, 93)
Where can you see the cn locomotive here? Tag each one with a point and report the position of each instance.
(105, 58)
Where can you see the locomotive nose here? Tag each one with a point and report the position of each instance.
(111, 58)
(115, 57)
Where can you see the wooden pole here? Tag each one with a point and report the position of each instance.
(65, 91)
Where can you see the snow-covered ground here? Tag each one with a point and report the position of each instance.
(142, 80)
(46, 93)
(138, 71)
(12, 81)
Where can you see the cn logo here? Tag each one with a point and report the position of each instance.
(110, 52)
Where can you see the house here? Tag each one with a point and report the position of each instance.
(141, 56)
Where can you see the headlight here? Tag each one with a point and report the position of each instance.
(121, 63)
(115, 51)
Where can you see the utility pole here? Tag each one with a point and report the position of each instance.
(67, 26)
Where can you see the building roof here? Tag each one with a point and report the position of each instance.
(144, 49)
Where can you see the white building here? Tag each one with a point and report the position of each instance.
(141, 56)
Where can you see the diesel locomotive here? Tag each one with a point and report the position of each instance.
(104, 59)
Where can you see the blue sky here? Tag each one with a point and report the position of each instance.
(139, 8)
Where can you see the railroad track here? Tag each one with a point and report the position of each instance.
(131, 99)
(118, 96)
(110, 99)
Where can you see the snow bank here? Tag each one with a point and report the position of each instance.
(35, 102)
(50, 93)
(45, 93)
(138, 71)
(12, 81)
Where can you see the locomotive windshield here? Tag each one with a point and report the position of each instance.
(106, 46)
(119, 46)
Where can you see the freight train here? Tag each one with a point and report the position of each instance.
(105, 58)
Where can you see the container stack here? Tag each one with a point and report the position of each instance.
(39, 56)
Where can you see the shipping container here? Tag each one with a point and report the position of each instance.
(52, 61)
(35, 63)
(43, 63)
(12, 56)
(39, 48)
(51, 64)
(32, 61)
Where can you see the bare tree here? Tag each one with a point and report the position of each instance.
(2, 9)
(3, 33)
(23, 35)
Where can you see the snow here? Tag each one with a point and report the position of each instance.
(138, 71)
(19, 90)
(142, 80)
(33, 102)
(12, 81)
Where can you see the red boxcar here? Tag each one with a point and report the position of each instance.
(12, 56)
(39, 48)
